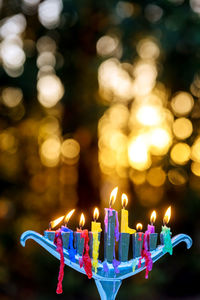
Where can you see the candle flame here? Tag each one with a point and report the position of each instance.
(113, 196)
(54, 223)
(124, 200)
(139, 226)
(68, 216)
(167, 215)
(82, 221)
(96, 213)
(153, 217)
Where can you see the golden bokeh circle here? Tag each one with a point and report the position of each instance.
(182, 128)
(180, 153)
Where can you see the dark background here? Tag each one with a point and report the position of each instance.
(31, 193)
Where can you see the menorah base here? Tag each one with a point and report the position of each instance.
(108, 289)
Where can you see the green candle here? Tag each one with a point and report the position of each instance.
(166, 233)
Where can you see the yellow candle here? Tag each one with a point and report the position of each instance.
(124, 217)
(96, 228)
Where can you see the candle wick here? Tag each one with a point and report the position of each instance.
(151, 223)
(50, 226)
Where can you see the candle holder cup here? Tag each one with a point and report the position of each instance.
(65, 239)
(153, 237)
(79, 243)
(137, 240)
(123, 248)
(109, 236)
(161, 238)
(91, 242)
(50, 235)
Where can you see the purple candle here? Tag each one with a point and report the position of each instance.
(151, 228)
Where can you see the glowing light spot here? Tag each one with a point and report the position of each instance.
(70, 150)
(182, 104)
(46, 44)
(160, 141)
(180, 153)
(12, 54)
(50, 152)
(177, 176)
(13, 25)
(148, 49)
(156, 176)
(148, 115)
(195, 150)
(49, 13)
(46, 58)
(50, 90)
(107, 45)
(182, 128)
(195, 5)
(124, 9)
(138, 154)
(153, 13)
(138, 177)
(114, 81)
(195, 168)
(12, 96)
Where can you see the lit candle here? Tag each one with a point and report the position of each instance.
(152, 239)
(50, 234)
(124, 216)
(79, 241)
(82, 242)
(67, 234)
(165, 235)
(95, 236)
(137, 240)
(96, 226)
(151, 228)
(111, 220)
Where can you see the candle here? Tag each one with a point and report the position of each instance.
(124, 216)
(94, 242)
(79, 241)
(151, 228)
(152, 238)
(145, 252)
(96, 226)
(82, 242)
(50, 234)
(124, 238)
(137, 240)
(165, 235)
(111, 222)
(66, 237)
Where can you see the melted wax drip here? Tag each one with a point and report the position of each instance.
(71, 249)
(167, 241)
(85, 261)
(59, 247)
(146, 255)
(115, 262)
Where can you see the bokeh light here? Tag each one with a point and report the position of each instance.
(180, 153)
(182, 128)
(50, 90)
(50, 152)
(11, 96)
(182, 104)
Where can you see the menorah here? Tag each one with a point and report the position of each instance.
(79, 250)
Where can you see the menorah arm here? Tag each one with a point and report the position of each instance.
(126, 268)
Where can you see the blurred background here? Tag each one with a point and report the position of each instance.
(95, 94)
